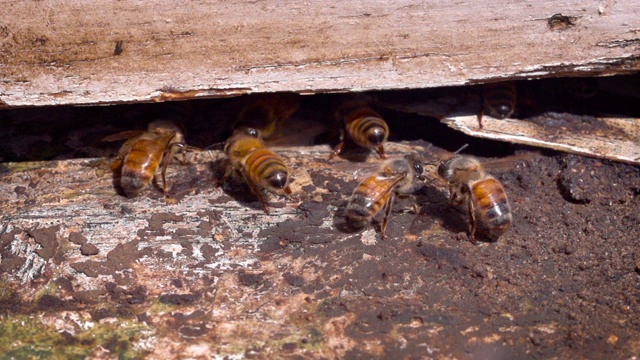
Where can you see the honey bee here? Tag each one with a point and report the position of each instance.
(483, 194)
(377, 192)
(259, 167)
(268, 112)
(362, 126)
(498, 100)
(142, 154)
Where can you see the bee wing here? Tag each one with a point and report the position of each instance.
(123, 135)
(508, 162)
(357, 171)
(379, 187)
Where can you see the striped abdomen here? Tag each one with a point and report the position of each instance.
(371, 195)
(500, 99)
(492, 208)
(366, 128)
(266, 169)
(140, 165)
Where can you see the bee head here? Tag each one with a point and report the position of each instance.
(253, 132)
(444, 169)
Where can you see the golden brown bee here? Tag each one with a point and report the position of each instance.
(258, 166)
(268, 112)
(145, 151)
(483, 194)
(498, 100)
(377, 192)
(362, 126)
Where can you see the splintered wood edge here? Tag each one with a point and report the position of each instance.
(527, 133)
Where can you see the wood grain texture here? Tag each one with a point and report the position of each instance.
(80, 52)
(202, 273)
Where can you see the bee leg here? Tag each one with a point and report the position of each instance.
(387, 211)
(164, 164)
(414, 204)
(226, 175)
(338, 149)
(116, 164)
(264, 204)
(380, 151)
(480, 114)
(481, 110)
(254, 189)
(473, 223)
(453, 196)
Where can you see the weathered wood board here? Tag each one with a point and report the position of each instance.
(82, 52)
(204, 273)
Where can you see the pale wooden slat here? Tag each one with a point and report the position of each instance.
(64, 52)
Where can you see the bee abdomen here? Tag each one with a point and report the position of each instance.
(367, 127)
(500, 99)
(133, 182)
(492, 205)
(265, 167)
(138, 170)
(359, 209)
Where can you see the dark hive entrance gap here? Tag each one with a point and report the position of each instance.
(67, 132)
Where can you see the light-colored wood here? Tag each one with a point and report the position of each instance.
(200, 235)
(608, 137)
(66, 52)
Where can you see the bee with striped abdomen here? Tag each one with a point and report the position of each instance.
(362, 126)
(498, 100)
(142, 154)
(484, 196)
(377, 192)
(259, 167)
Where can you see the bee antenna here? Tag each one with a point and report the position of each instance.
(218, 145)
(461, 148)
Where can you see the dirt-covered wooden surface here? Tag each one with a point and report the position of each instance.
(202, 273)
(70, 52)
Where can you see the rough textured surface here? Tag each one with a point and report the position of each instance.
(87, 272)
(70, 52)
(601, 121)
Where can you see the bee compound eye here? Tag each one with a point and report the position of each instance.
(252, 132)
(418, 168)
(278, 180)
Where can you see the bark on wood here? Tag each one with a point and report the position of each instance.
(71, 52)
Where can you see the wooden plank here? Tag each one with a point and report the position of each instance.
(202, 273)
(81, 52)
